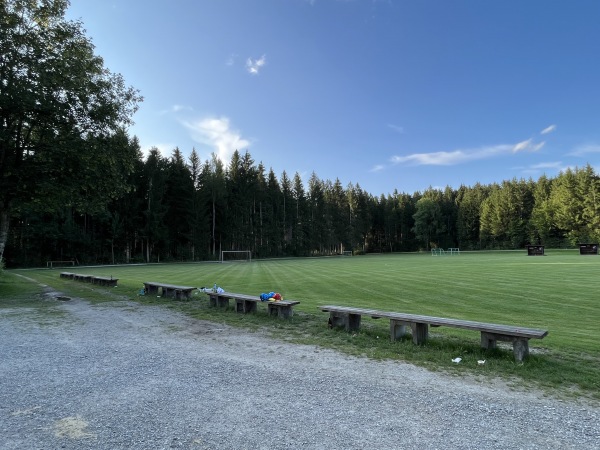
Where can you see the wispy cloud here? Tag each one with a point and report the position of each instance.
(544, 167)
(254, 66)
(528, 146)
(231, 60)
(218, 134)
(451, 158)
(463, 155)
(548, 165)
(585, 150)
(377, 168)
(549, 129)
(174, 109)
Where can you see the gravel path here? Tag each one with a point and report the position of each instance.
(126, 376)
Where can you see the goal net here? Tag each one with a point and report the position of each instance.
(236, 256)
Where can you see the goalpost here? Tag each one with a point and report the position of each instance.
(236, 256)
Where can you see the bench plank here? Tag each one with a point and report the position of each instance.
(349, 318)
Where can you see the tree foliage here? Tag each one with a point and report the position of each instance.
(62, 114)
(190, 210)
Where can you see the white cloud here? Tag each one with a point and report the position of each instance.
(528, 146)
(253, 66)
(377, 168)
(451, 158)
(537, 169)
(549, 129)
(174, 109)
(218, 134)
(548, 165)
(585, 149)
(177, 108)
(465, 155)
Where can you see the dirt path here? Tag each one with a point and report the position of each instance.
(124, 375)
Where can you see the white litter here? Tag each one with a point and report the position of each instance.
(481, 362)
(457, 360)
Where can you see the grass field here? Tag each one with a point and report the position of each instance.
(557, 292)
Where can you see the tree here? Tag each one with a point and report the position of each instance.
(300, 223)
(56, 100)
(469, 202)
(575, 204)
(155, 185)
(429, 222)
(215, 194)
(179, 197)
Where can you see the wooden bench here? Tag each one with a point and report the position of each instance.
(168, 290)
(105, 281)
(349, 318)
(247, 303)
(102, 281)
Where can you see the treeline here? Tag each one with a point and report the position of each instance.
(179, 209)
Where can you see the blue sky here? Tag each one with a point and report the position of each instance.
(391, 95)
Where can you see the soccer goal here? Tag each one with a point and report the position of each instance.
(236, 256)
(347, 253)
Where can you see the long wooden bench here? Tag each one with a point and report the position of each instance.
(168, 290)
(349, 318)
(247, 303)
(86, 278)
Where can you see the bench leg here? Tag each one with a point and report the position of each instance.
(212, 300)
(244, 306)
(420, 332)
(520, 345)
(180, 294)
(397, 329)
(351, 322)
(521, 349)
(337, 319)
(283, 312)
(488, 341)
(239, 305)
(151, 290)
(223, 302)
